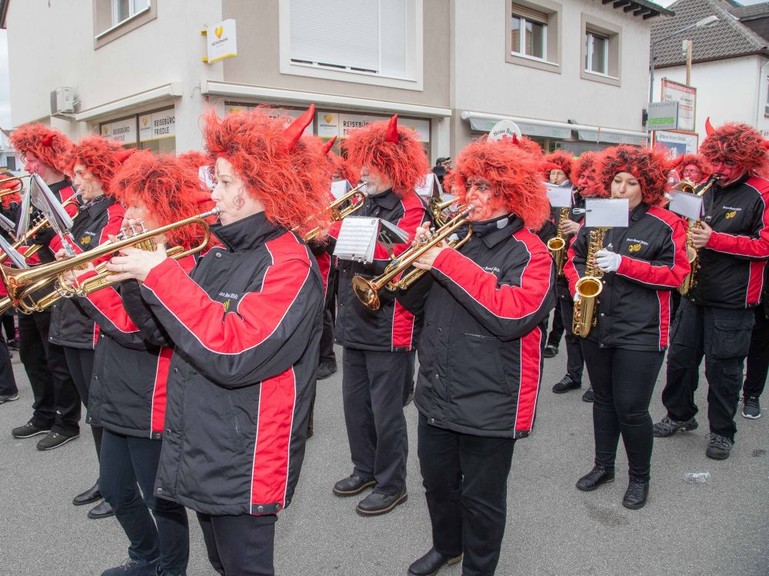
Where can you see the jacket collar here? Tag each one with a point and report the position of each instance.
(638, 212)
(387, 199)
(248, 233)
(493, 231)
(97, 205)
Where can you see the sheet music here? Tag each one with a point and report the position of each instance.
(357, 239)
(339, 188)
(430, 188)
(606, 212)
(17, 259)
(559, 196)
(686, 204)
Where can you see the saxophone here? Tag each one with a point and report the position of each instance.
(557, 245)
(588, 287)
(691, 252)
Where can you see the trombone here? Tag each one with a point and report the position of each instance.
(340, 208)
(22, 283)
(367, 291)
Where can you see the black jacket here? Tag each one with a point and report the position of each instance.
(70, 325)
(246, 328)
(480, 355)
(731, 272)
(634, 308)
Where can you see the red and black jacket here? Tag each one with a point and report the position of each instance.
(484, 306)
(731, 272)
(634, 308)
(93, 225)
(392, 328)
(128, 389)
(246, 327)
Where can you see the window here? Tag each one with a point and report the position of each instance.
(534, 32)
(154, 130)
(367, 41)
(125, 9)
(601, 49)
(596, 53)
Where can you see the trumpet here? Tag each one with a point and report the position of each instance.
(691, 252)
(340, 208)
(557, 245)
(22, 283)
(16, 189)
(437, 206)
(367, 291)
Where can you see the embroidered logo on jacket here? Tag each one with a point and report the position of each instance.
(84, 240)
(634, 248)
(226, 305)
(730, 215)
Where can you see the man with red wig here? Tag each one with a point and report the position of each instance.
(716, 319)
(480, 359)
(56, 410)
(691, 167)
(246, 326)
(378, 358)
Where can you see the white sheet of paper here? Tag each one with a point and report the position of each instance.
(339, 188)
(686, 204)
(606, 212)
(559, 196)
(357, 239)
(431, 187)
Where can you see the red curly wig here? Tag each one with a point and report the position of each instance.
(561, 159)
(528, 145)
(194, 158)
(646, 165)
(512, 172)
(167, 188)
(342, 170)
(49, 146)
(738, 143)
(678, 164)
(587, 164)
(404, 162)
(101, 157)
(290, 179)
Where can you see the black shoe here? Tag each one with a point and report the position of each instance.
(593, 479)
(750, 407)
(550, 351)
(11, 397)
(13, 344)
(326, 369)
(352, 485)
(54, 440)
(565, 384)
(91, 495)
(588, 396)
(719, 447)
(101, 510)
(431, 563)
(380, 503)
(28, 430)
(131, 567)
(667, 426)
(636, 494)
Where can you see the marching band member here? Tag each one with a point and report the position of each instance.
(94, 162)
(692, 168)
(717, 319)
(246, 327)
(127, 397)
(56, 410)
(378, 357)
(484, 307)
(643, 264)
(587, 186)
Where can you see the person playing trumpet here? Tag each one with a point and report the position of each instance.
(641, 265)
(480, 353)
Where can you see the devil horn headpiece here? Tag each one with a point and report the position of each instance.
(328, 145)
(296, 128)
(709, 130)
(392, 130)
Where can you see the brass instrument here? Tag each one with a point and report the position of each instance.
(437, 208)
(557, 245)
(588, 287)
(22, 283)
(685, 186)
(18, 188)
(691, 252)
(353, 200)
(367, 291)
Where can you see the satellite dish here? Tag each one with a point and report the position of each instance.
(505, 129)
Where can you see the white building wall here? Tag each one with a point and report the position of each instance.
(485, 82)
(733, 90)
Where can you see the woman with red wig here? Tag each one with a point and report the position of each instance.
(642, 265)
(128, 390)
(246, 326)
(480, 359)
(378, 345)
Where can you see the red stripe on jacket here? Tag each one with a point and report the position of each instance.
(663, 296)
(531, 366)
(160, 390)
(269, 476)
(745, 245)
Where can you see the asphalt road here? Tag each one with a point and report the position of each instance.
(717, 528)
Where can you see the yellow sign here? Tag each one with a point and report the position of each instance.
(222, 43)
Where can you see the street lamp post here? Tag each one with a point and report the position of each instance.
(704, 22)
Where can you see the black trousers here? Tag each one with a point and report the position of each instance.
(127, 464)
(327, 353)
(554, 338)
(240, 545)
(575, 361)
(623, 382)
(80, 363)
(758, 355)
(722, 337)
(57, 402)
(465, 480)
(372, 393)
(7, 379)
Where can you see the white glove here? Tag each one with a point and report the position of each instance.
(607, 261)
(577, 297)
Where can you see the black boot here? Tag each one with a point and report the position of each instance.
(431, 563)
(636, 494)
(91, 495)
